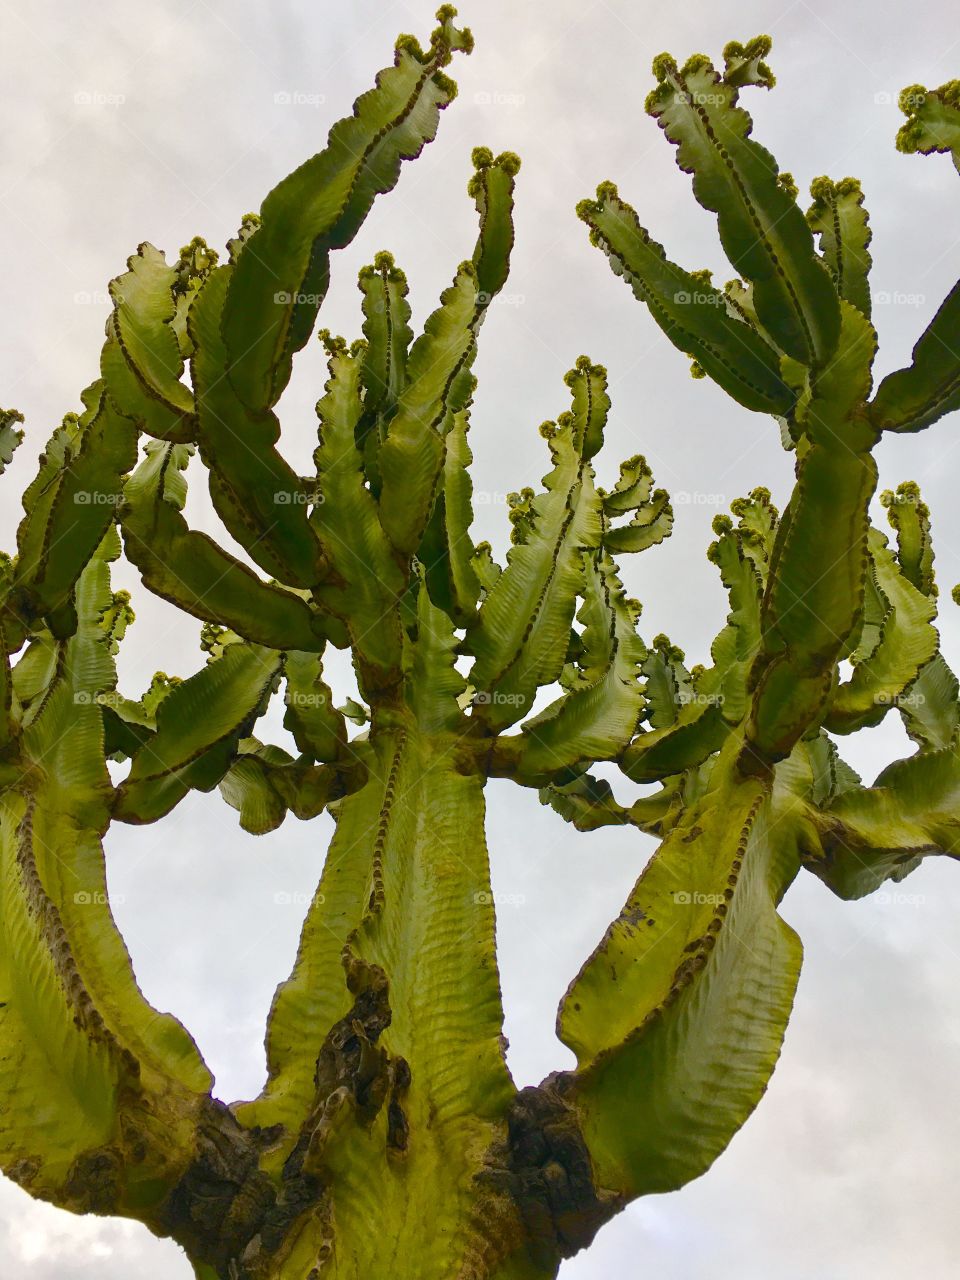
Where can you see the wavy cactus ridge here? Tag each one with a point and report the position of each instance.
(389, 1136)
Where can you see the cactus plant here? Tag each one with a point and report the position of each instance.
(389, 1136)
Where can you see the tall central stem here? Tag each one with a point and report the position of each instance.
(387, 1066)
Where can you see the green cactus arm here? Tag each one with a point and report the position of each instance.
(919, 395)
(633, 489)
(11, 436)
(589, 408)
(248, 788)
(439, 383)
(933, 120)
(652, 518)
(6, 704)
(141, 362)
(434, 686)
(386, 329)
(122, 735)
(69, 507)
(256, 493)
(189, 569)
(691, 718)
(822, 774)
(199, 726)
(598, 717)
(587, 803)
(447, 551)
(699, 731)
(815, 588)
(762, 229)
(279, 285)
(704, 972)
(738, 295)
(907, 641)
(810, 608)
(34, 671)
(104, 1093)
(314, 996)
(520, 636)
(872, 834)
(909, 516)
(744, 63)
(693, 316)
(195, 263)
(930, 706)
(838, 217)
(318, 729)
(368, 579)
(264, 782)
(741, 557)
(485, 567)
(668, 684)
(650, 524)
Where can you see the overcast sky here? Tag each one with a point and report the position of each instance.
(126, 123)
